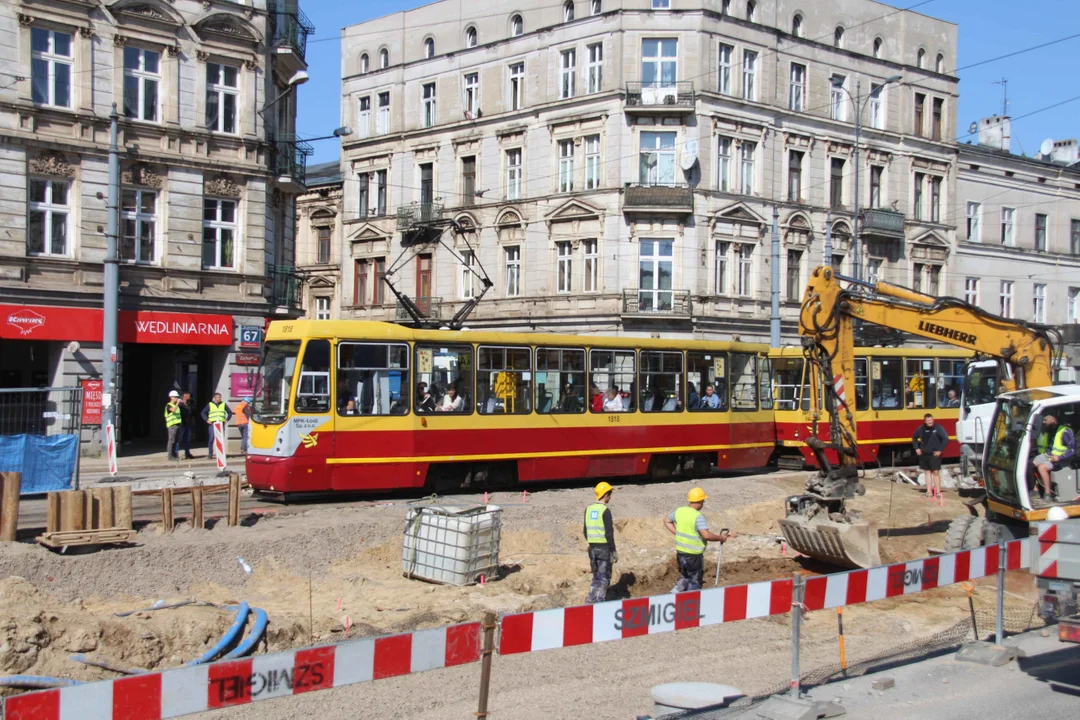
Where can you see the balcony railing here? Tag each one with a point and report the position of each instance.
(418, 213)
(649, 197)
(431, 307)
(289, 163)
(652, 96)
(883, 223)
(657, 302)
(289, 26)
(285, 285)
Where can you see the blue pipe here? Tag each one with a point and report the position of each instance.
(228, 638)
(248, 644)
(36, 682)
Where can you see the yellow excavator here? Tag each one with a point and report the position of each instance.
(819, 523)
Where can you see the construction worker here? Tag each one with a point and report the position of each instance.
(172, 423)
(1053, 455)
(691, 532)
(216, 411)
(600, 534)
(243, 417)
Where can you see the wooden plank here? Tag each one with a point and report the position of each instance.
(72, 510)
(234, 500)
(167, 519)
(11, 483)
(52, 512)
(122, 506)
(197, 509)
(105, 536)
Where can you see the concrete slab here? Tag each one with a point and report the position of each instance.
(984, 653)
(785, 708)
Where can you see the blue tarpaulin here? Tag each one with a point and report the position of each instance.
(47, 462)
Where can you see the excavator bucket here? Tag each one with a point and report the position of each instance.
(847, 544)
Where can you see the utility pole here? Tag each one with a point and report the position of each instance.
(774, 318)
(112, 283)
(855, 223)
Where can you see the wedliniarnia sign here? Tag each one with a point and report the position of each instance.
(942, 331)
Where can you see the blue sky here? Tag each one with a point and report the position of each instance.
(987, 28)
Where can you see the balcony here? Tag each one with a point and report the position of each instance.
(285, 286)
(656, 199)
(289, 163)
(660, 303)
(289, 31)
(665, 99)
(431, 307)
(419, 213)
(884, 224)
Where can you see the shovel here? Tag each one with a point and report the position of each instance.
(719, 558)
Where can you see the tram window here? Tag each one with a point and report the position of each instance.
(887, 383)
(560, 382)
(372, 379)
(787, 383)
(862, 397)
(661, 381)
(613, 372)
(313, 392)
(765, 383)
(503, 380)
(950, 385)
(920, 383)
(271, 402)
(705, 370)
(744, 381)
(445, 373)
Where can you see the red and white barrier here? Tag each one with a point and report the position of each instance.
(585, 624)
(219, 445)
(1057, 552)
(110, 449)
(187, 690)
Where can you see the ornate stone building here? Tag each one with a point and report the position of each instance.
(319, 241)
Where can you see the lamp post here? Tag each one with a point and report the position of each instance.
(343, 131)
(858, 104)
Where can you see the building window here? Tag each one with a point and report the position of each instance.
(592, 162)
(935, 199)
(794, 274)
(517, 26)
(1074, 237)
(654, 274)
(468, 275)
(797, 93)
(749, 75)
(934, 277)
(219, 233)
(566, 166)
(874, 270)
(592, 265)
(936, 118)
(222, 90)
(794, 176)
(939, 64)
(382, 120)
(384, 59)
(468, 180)
(722, 249)
(428, 108)
(876, 171)
(1074, 305)
(877, 47)
(363, 185)
(470, 37)
(380, 192)
(747, 156)
(423, 280)
(661, 4)
(47, 231)
(427, 186)
(517, 86)
(1038, 303)
(723, 164)
(142, 73)
(659, 63)
(974, 229)
(918, 271)
(378, 290)
(920, 59)
(838, 37)
(838, 264)
(360, 280)
(513, 174)
(138, 220)
(836, 183)
(594, 7)
(837, 106)
(724, 69)
(429, 48)
(1040, 232)
(657, 158)
(1006, 297)
(51, 60)
(512, 273)
(877, 107)
(323, 239)
(363, 117)
(920, 181)
(564, 267)
(471, 99)
(751, 10)
(746, 270)
(322, 308)
(1008, 237)
(797, 25)
(365, 64)
(567, 73)
(596, 68)
(568, 11)
(971, 291)
(917, 122)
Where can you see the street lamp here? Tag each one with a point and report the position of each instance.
(343, 131)
(859, 105)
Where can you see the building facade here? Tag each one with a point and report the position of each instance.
(615, 165)
(319, 241)
(210, 169)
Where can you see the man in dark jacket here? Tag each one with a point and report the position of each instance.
(600, 534)
(187, 426)
(929, 442)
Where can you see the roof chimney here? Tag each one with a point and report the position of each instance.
(1065, 151)
(995, 132)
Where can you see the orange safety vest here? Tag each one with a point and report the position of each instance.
(238, 413)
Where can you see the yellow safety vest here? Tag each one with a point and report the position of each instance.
(1060, 448)
(594, 524)
(687, 539)
(172, 414)
(216, 413)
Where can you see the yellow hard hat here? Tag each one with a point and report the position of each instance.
(602, 489)
(696, 495)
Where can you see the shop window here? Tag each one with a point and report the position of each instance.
(705, 371)
(372, 379)
(920, 384)
(503, 381)
(661, 381)
(886, 383)
(313, 391)
(744, 388)
(560, 381)
(613, 371)
(446, 373)
(950, 382)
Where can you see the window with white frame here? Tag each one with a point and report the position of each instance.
(876, 174)
(661, 4)
(564, 268)
(365, 64)
(1038, 303)
(1008, 235)
(655, 267)
(659, 63)
(142, 76)
(749, 75)
(322, 308)
(363, 117)
(323, 244)
(51, 61)
(567, 73)
(49, 206)
(971, 291)
(591, 265)
(1040, 232)
(795, 163)
(1074, 237)
(1005, 295)
(721, 272)
(380, 192)
(219, 234)
(363, 185)
(917, 197)
(797, 92)
(974, 226)
(512, 270)
(745, 274)
(471, 99)
(794, 275)
(723, 164)
(935, 198)
(428, 108)
(657, 158)
(566, 166)
(939, 64)
(384, 59)
(723, 85)
(920, 59)
(517, 26)
(568, 11)
(877, 106)
(595, 7)
(468, 275)
(797, 25)
(470, 37)
(429, 48)
(138, 225)
(595, 70)
(516, 87)
(878, 42)
(592, 162)
(838, 37)
(837, 106)
(747, 158)
(222, 93)
(382, 119)
(933, 282)
(1074, 305)
(513, 174)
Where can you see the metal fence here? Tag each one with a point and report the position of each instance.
(39, 436)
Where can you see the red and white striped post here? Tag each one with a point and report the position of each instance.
(219, 445)
(110, 448)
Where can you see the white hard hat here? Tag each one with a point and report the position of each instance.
(173, 393)
(1057, 514)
